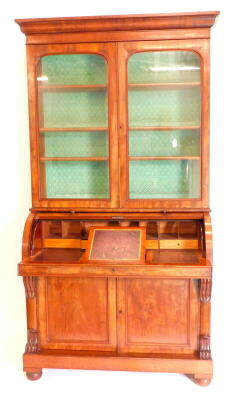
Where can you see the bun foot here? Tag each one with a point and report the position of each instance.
(35, 375)
(201, 380)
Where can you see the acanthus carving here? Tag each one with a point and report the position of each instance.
(32, 345)
(30, 286)
(205, 347)
(205, 290)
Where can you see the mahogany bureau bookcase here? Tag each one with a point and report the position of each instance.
(117, 249)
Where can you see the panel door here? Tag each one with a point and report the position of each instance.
(77, 313)
(164, 118)
(73, 116)
(158, 315)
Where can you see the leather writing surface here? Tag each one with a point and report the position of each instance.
(116, 245)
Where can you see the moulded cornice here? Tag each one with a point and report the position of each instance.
(118, 23)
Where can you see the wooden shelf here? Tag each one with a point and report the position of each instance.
(174, 256)
(44, 159)
(168, 243)
(70, 88)
(166, 158)
(81, 129)
(59, 255)
(163, 85)
(131, 128)
(164, 128)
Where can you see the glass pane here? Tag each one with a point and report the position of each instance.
(74, 144)
(164, 66)
(164, 179)
(164, 109)
(77, 179)
(73, 111)
(168, 143)
(74, 69)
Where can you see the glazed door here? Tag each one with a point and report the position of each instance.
(77, 313)
(163, 90)
(158, 315)
(73, 135)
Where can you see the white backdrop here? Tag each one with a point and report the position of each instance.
(15, 201)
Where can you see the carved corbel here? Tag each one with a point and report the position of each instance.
(32, 345)
(204, 347)
(30, 286)
(205, 290)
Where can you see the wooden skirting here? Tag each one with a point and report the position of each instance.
(184, 366)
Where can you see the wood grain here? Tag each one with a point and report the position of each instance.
(148, 311)
(77, 313)
(34, 53)
(126, 50)
(154, 316)
(118, 23)
(122, 363)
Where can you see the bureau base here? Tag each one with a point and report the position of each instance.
(200, 371)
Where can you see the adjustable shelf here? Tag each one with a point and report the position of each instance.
(164, 158)
(163, 85)
(71, 88)
(164, 128)
(45, 159)
(78, 129)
